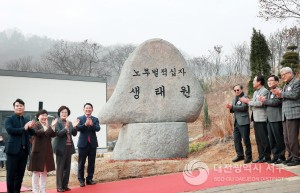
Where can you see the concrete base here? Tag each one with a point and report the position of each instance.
(152, 141)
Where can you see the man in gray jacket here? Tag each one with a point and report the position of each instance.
(241, 125)
(259, 116)
(275, 129)
(290, 114)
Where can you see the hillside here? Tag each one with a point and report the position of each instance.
(15, 45)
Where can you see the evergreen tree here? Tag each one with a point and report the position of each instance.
(291, 59)
(259, 58)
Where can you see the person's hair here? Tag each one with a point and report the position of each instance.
(19, 101)
(274, 76)
(241, 86)
(88, 104)
(286, 69)
(40, 112)
(63, 108)
(261, 79)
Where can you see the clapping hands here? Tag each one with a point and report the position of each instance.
(277, 92)
(262, 99)
(53, 123)
(244, 100)
(229, 105)
(67, 125)
(29, 125)
(88, 122)
(75, 123)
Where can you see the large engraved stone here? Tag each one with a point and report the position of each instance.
(155, 85)
(155, 96)
(152, 140)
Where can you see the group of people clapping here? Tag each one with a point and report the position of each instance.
(41, 140)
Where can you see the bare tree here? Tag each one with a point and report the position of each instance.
(238, 61)
(63, 58)
(115, 58)
(294, 33)
(215, 57)
(203, 69)
(200, 67)
(22, 64)
(207, 68)
(78, 58)
(72, 58)
(277, 44)
(279, 41)
(279, 9)
(91, 52)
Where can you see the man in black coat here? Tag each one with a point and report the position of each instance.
(241, 125)
(17, 146)
(87, 144)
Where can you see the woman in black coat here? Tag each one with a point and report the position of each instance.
(63, 148)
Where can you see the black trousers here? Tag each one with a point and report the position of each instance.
(242, 132)
(275, 131)
(291, 133)
(83, 153)
(15, 169)
(262, 140)
(63, 167)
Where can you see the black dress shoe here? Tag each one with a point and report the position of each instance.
(286, 161)
(82, 184)
(238, 158)
(273, 160)
(264, 160)
(280, 160)
(256, 161)
(90, 182)
(60, 190)
(67, 189)
(293, 163)
(247, 160)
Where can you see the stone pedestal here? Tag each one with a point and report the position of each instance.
(152, 141)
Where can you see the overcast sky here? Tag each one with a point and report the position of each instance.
(193, 26)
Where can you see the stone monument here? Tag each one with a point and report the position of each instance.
(156, 95)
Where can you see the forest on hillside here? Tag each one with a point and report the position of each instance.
(42, 54)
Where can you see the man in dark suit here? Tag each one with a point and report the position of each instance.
(259, 116)
(275, 129)
(87, 144)
(17, 146)
(290, 114)
(241, 126)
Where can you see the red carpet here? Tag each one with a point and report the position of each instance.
(3, 187)
(172, 183)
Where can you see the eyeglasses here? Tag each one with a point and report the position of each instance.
(283, 74)
(236, 90)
